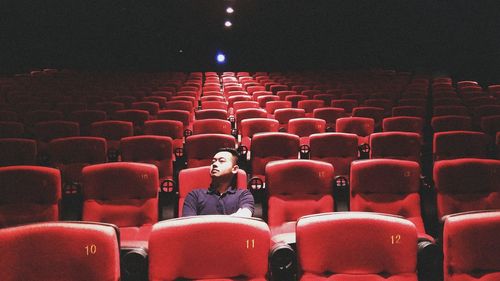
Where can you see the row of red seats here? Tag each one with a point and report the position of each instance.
(372, 246)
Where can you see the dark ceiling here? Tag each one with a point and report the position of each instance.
(460, 36)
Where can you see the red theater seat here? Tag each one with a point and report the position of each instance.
(112, 131)
(15, 151)
(297, 188)
(376, 113)
(396, 145)
(151, 107)
(60, 251)
(387, 186)
(110, 107)
(360, 126)
(460, 144)
(338, 149)
(284, 115)
(124, 194)
(199, 149)
(330, 115)
(304, 127)
(70, 155)
(295, 99)
(361, 246)
(177, 115)
(32, 117)
(156, 150)
(274, 105)
(213, 104)
(471, 248)
(211, 126)
(310, 105)
(447, 123)
(450, 110)
(193, 178)
(466, 185)
(346, 104)
(46, 131)
(211, 114)
(85, 118)
(408, 110)
(242, 243)
(28, 194)
(403, 124)
(248, 113)
(252, 126)
(268, 147)
(136, 116)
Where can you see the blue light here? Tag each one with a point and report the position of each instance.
(221, 58)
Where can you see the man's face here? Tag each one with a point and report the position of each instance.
(223, 165)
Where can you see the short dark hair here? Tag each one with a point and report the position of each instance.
(233, 151)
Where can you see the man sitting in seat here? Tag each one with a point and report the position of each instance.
(222, 197)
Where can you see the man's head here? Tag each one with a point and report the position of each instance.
(224, 164)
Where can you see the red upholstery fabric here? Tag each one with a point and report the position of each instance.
(403, 124)
(200, 149)
(386, 104)
(360, 126)
(362, 247)
(174, 114)
(297, 188)
(71, 154)
(268, 147)
(491, 124)
(244, 104)
(199, 177)
(240, 247)
(136, 116)
(450, 110)
(36, 116)
(16, 151)
(112, 131)
(247, 113)
(284, 115)
(304, 127)
(295, 99)
(467, 184)
(29, 194)
(338, 149)
(85, 118)
(211, 126)
(376, 113)
(329, 114)
(149, 106)
(263, 98)
(409, 110)
(387, 186)
(110, 106)
(179, 105)
(214, 105)
(211, 114)
(47, 131)
(346, 104)
(460, 144)
(251, 126)
(283, 94)
(310, 105)
(156, 150)
(396, 145)
(60, 251)
(451, 123)
(125, 194)
(273, 105)
(471, 248)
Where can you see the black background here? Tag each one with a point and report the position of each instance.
(461, 38)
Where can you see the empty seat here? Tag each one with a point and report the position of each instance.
(283, 94)
(156, 150)
(451, 123)
(376, 113)
(330, 115)
(387, 186)
(71, 154)
(268, 147)
(470, 246)
(252, 126)
(386, 104)
(85, 118)
(85, 251)
(295, 99)
(310, 105)
(304, 127)
(149, 106)
(396, 145)
(113, 132)
(338, 149)
(489, 124)
(263, 99)
(169, 128)
(16, 151)
(346, 104)
(248, 113)
(199, 149)
(297, 188)
(136, 116)
(284, 115)
(211, 114)
(244, 105)
(11, 129)
(460, 144)
(225, 239)
(28, 194)
(110, 107)
(211, 126)
(214, 105)
(193, 178)
(360, 126)
(403, 124)
(124, 194)
(450, 110)
(408, 110)
(273, 105)
(46, 131)
(372, 247)
(180, 105)
(466, 185)
(178, 115)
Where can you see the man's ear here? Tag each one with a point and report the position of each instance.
(235, 169)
